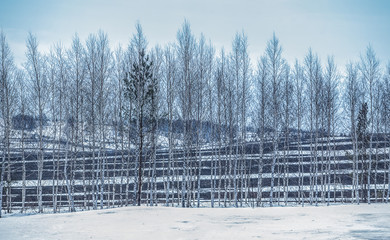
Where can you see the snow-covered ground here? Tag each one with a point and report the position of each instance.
(333, 222)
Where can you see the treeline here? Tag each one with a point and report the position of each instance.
(95, 96)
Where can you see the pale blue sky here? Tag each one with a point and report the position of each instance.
(342, 28)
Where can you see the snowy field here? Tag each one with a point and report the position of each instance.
(333, 222)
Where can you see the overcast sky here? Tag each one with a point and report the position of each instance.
(342, 28)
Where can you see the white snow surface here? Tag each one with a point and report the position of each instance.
(324, 222)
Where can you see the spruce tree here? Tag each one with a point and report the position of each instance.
(140, 88)
(363, 139)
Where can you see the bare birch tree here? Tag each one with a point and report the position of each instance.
(331, 79)
(262, 109)
(185, 56)
(299, 82)
(76, 62)
(370, 73)
(7, 106)
(275, 66)
(36, 70)
(351, 102)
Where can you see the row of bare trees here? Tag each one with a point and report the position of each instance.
(88, 98)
